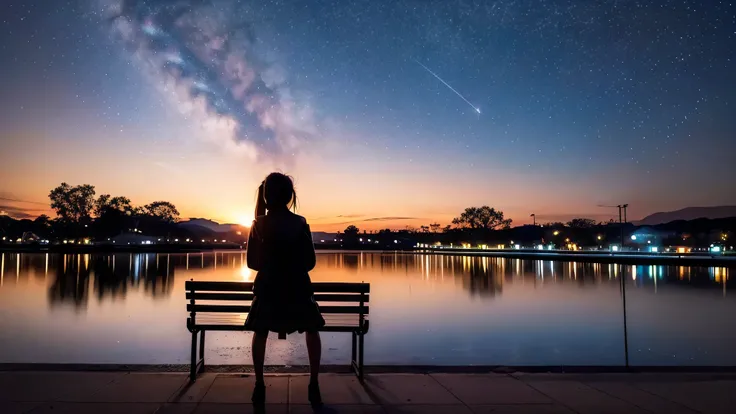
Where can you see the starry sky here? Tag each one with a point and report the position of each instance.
(387, 113)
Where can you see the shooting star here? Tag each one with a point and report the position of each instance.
(475, 108)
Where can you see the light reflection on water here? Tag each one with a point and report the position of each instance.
(425, 309)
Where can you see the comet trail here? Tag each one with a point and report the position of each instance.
(475, 108)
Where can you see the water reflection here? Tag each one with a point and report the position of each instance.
(502, 311)
(72, 278)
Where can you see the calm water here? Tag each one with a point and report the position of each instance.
(441, 310)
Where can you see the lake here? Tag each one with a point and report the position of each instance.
(425, 310)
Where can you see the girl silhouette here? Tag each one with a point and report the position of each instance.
(280, 249)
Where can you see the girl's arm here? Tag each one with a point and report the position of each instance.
(254, 248)
(310, 258)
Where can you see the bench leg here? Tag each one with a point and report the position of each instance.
(354, 355)
(193, 366)
(360, 357)
(357, 355)
(201, 351)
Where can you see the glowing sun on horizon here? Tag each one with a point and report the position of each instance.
(245, 220)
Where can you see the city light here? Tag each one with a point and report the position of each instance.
(600, 237)
(556, 233)
(633, 237)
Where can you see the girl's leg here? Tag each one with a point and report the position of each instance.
(258, 349)
(314, 349)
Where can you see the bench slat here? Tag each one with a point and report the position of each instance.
(320, 287)
(246, 309)
(319, 297)
(216, 327)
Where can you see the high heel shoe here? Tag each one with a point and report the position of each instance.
(315, 397)
(259, 394)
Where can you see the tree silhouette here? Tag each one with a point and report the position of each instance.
(351, 230)
(435, 227)
(105, 202)
(581, 223)
(484, 217)
(162, 210)
(73, 204)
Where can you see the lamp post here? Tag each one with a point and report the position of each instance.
(621, 213)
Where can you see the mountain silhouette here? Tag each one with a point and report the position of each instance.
(689, 213)
(203, 227)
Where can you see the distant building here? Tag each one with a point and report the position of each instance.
(125, 239)
(644, 236)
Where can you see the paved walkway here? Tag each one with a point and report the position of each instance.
(170, 393)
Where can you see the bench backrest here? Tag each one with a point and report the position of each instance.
(334, 298)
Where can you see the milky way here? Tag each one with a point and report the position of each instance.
(203, 51)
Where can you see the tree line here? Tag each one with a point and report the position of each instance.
(80, 213)
(486, 225)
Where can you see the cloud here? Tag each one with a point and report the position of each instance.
(371, 219)
(568, 217)
(19, 212)
(202, 54)
(13, 199)
(390, 218)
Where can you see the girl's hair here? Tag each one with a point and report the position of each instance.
(275, 192)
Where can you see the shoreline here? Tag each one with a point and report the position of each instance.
(627, 258)
(372, 369)
(604, 257)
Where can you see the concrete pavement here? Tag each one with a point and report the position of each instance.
(170, 393)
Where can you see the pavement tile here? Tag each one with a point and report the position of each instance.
(52, 386)
(140, 387)
(640, 398)
(96, 408)
(10, 407)
(237, 389)
(194, 392)
(178, 408)
(584, 399)
(521, 409)
(336, 389)
(705, 396)
(481, 389)
(396, 389)
(207, 408)
(427, 409)
(336, 409)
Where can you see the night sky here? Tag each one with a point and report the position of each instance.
(387, 113)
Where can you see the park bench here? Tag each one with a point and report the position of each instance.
(223, 306)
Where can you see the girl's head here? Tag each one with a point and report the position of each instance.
(276, 192)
